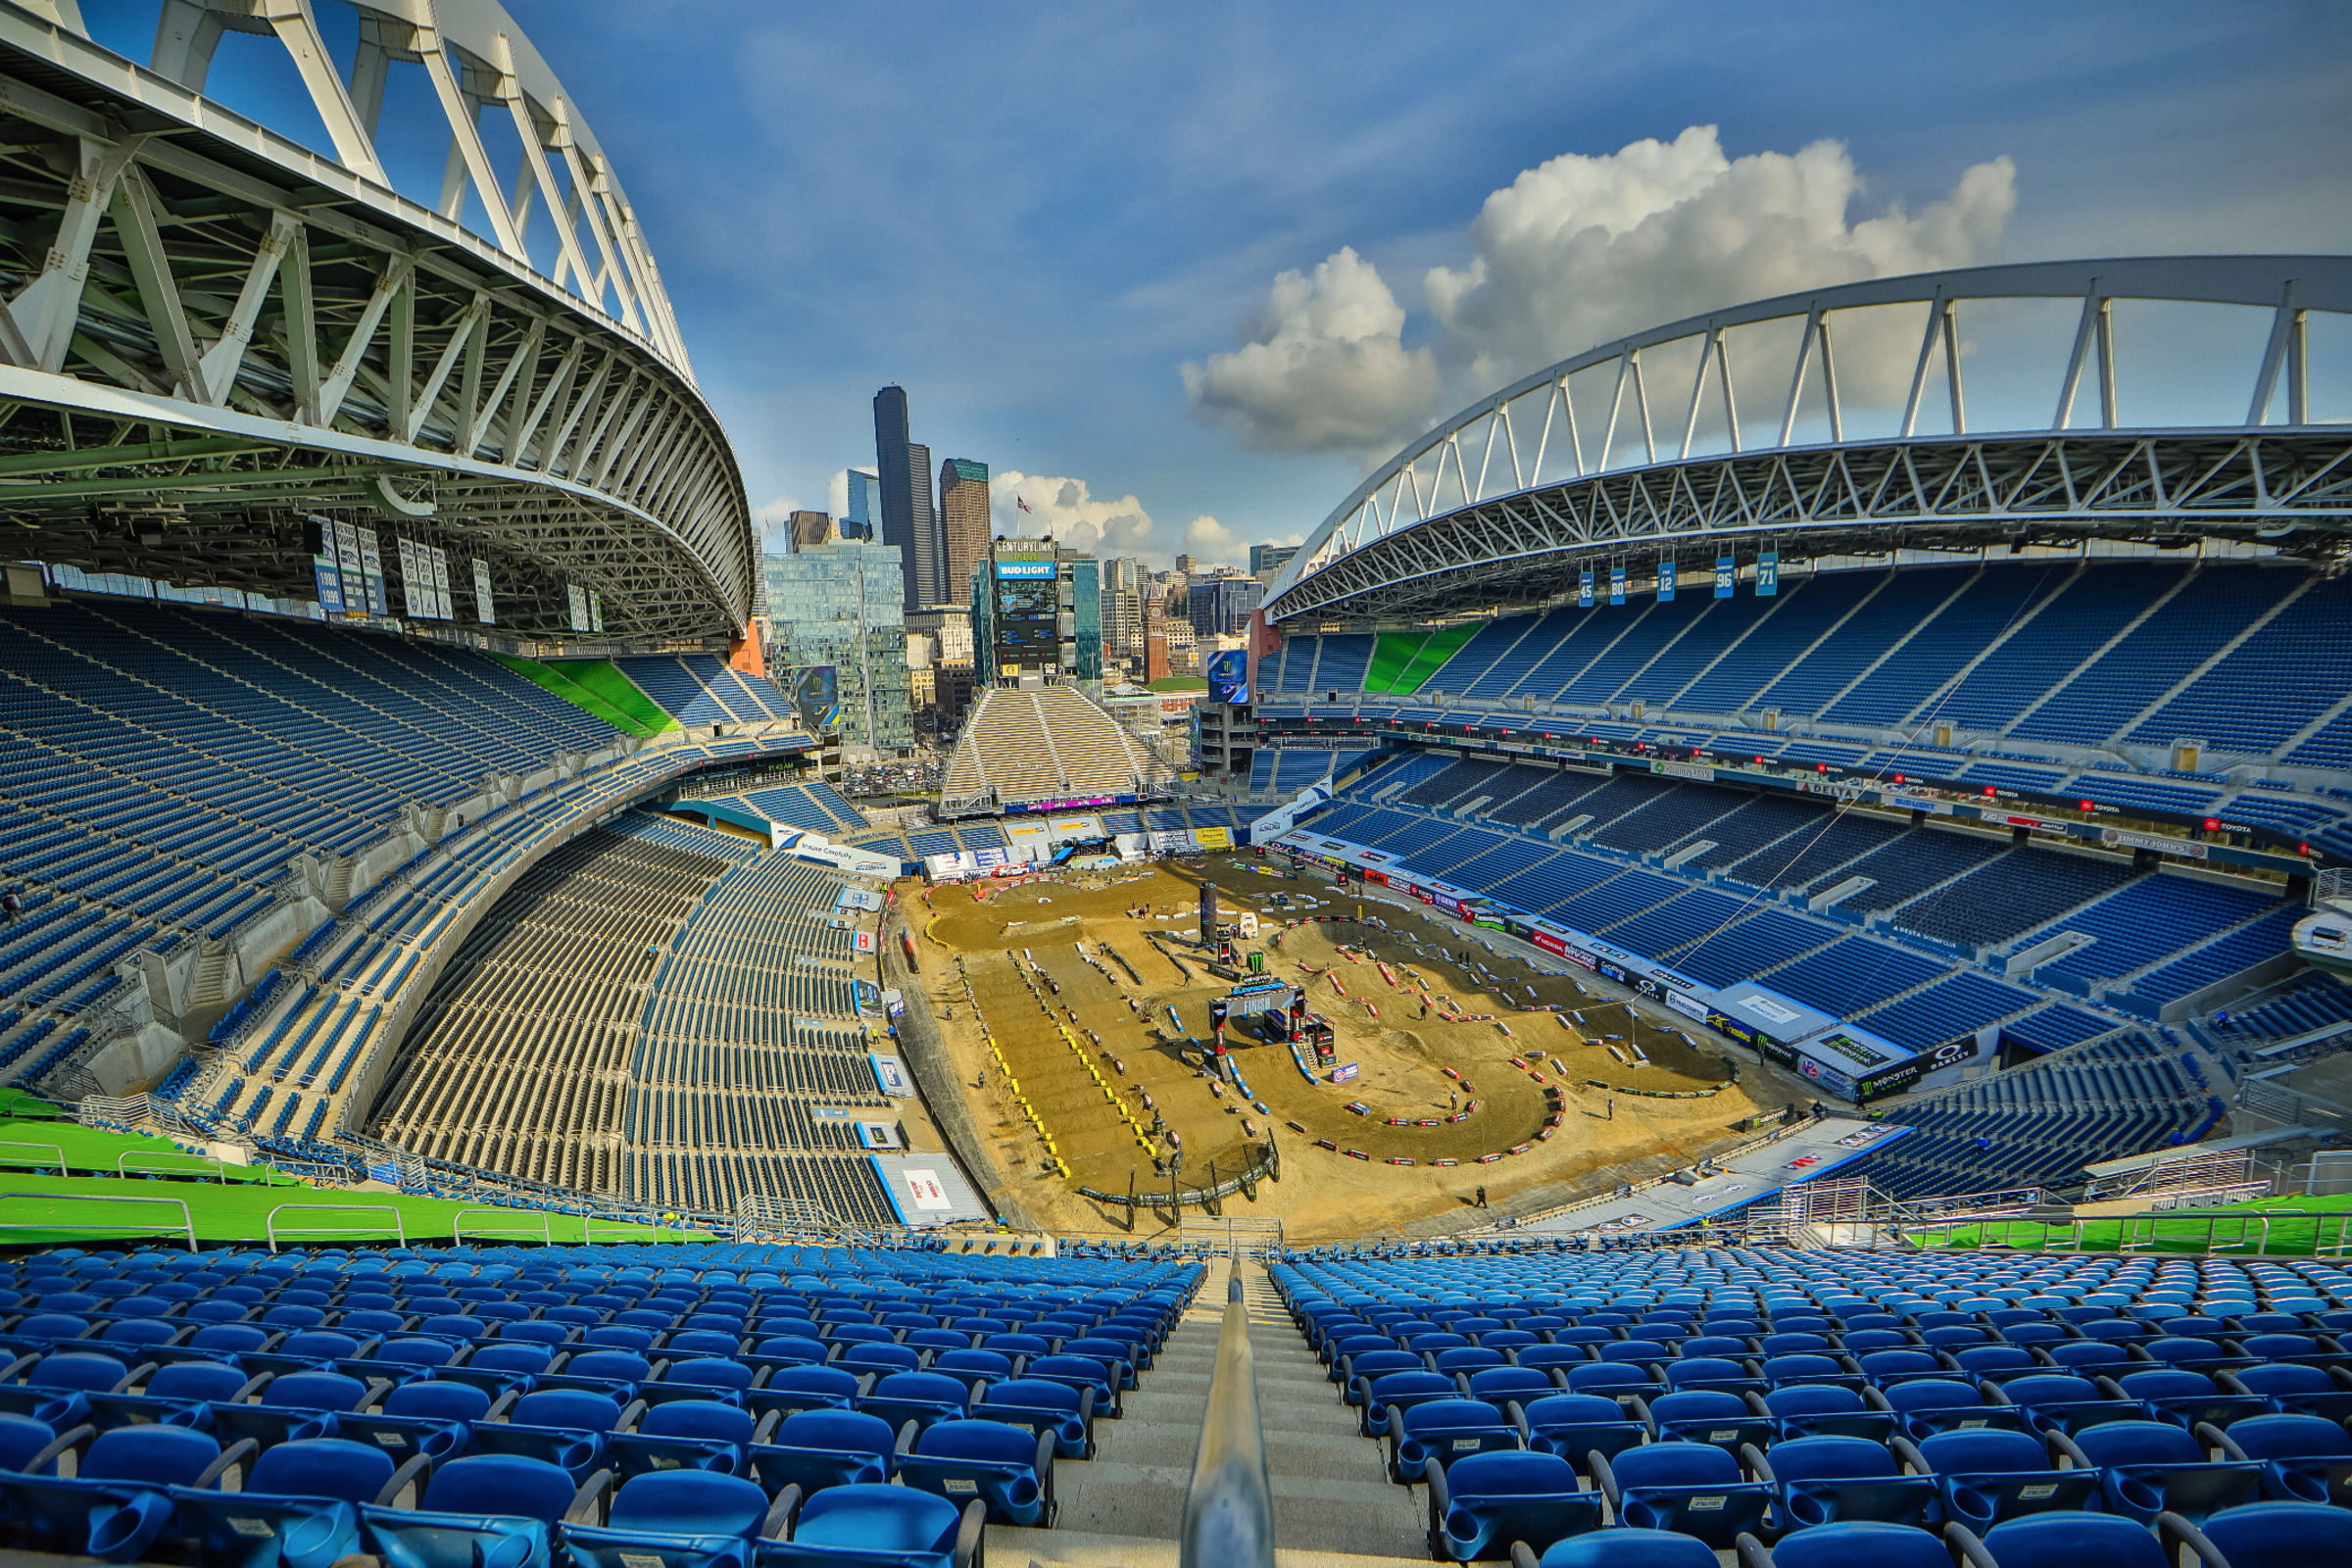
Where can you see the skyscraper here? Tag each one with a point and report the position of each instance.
(908, 518)
(964, 525)
(862, 518)
(1268, 557)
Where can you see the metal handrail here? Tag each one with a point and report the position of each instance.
(10, 1159)
(1229, 1508)
(123, 1162)
(186, 1225)
(269, 1222)
(545, 1233)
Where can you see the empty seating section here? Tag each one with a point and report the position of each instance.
(1814, 856)
(801, 805)
(1749, 946)
(1854, 976)
(2313, 1002)
(1675, 814)
(1288, 769)
(2010, 895)
(687, 1403)
(2144, 923)
(1343, 663)
(2158, 654)
(2039, 1124)
(2292, 669)
(1783, 631)
(1555, 794)
(1048, 743)
(1749, 829)
(1902, 868)
(751, 1022)
(649, 1013)
(163, 765)
(1992, 603)
(2096, 606)
(515, 1063)
(702, 689)
(1641, 641)
(1947, 1011)
(1831, 1407)
(1463, 780)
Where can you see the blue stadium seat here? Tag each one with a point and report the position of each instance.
(1982, 1478)
(300, 1504)
(477, 1510)
(1692, 1488)
(2262, 1535)
(678, 1519)
(2304, 1459)
(1850, 1544)
(2152, 1467)
(1487, 1502)
(883, 1527)
(1007, 1469)
(118, 1501)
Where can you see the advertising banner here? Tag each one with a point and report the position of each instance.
(816, 696)
(889, 1075)
(1213, 838)
(1177, 843)
(1689, 1006)
(1229, 676)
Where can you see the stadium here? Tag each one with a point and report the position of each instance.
(1756, 990)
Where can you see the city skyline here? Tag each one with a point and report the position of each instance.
(1386, 236)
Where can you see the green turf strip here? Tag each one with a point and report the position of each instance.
(240, 1212)
(2233, 1229)
(1390, 655)
(1441, 647)
(596, 686)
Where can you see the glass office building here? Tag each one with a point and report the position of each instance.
(844, 604)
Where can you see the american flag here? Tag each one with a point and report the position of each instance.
(1023, 505)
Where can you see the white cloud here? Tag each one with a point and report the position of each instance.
(1323, 367)
(774, 517)
(1205, 536)
(1582, 249)
(1066, 510)
(837, 493)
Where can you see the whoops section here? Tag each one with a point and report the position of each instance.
(1096, 1133)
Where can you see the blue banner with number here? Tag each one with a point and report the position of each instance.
(1584, 589)
(1616, 585)
(1665, 581)
(1768, 573)
(1727, 573)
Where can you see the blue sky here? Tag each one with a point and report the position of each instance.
(1033, 217)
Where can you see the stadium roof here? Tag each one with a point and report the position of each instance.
(1512, 498)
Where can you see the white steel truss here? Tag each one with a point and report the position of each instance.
(210, 333)
(1506, 501)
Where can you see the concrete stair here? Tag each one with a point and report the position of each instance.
(1333, 1506)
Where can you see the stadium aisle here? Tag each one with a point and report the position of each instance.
(1332, 1507)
